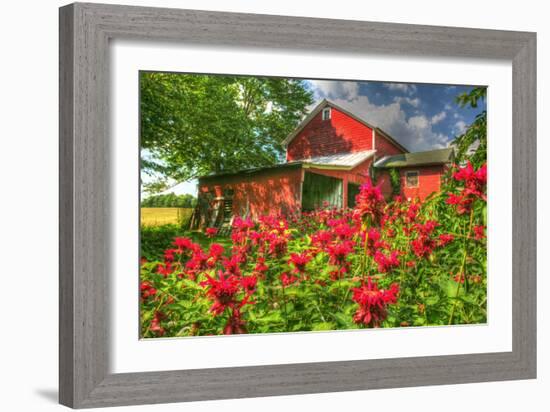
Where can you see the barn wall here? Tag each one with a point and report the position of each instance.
(429, 181)
(384, 182)
(340, 134)
(385, 147)
(264, 193)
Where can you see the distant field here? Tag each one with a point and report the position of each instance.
(157, 216)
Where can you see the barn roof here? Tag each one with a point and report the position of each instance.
(339, 161)
(430, 157)
(324, 103)
(253, 170)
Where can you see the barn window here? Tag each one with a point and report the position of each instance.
(411, 179)
(326, 113)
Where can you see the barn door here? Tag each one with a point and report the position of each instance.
(318, 189)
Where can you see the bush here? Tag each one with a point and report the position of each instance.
(154, 240)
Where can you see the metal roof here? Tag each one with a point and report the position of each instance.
(339, 160)
(253, 170)
(343, 161)
(431, 157)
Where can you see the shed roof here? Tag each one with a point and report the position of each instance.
(253, 170)
(430, 157)
(340, 160)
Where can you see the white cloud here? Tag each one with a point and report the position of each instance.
(413, 102)
(460, 127)
(326, 89)
(438, 117)
(402, 87)
(415, 132)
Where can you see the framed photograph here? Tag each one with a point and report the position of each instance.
(257, 205)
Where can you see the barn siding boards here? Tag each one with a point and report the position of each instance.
(340, 134)
(429, 181)
(268, 191)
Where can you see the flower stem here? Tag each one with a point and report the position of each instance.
(462, 271)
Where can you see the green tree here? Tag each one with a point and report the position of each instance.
(193, 125)
(169, 200)
(476, 134)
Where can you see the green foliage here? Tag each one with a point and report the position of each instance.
(169, 200)
(476, 134)
(193, 125)
(395, 180)
(447, 285)
(154, 240)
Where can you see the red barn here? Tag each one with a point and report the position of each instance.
(328, 156)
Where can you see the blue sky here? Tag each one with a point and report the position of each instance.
(419, 116)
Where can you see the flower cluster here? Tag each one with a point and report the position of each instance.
(380, 264)
(369, 203)
(475, 182)
(373, 302)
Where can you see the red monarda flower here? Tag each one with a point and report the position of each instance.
(373, 303)
(427, 228)
(222, 291)
(211, 232)
(475, 183)
(216, 250)
(277, 244)
(248, 283)
(235, 325)
(373, 241)
(165, 269)
(445, 239)
(232, 265)
(369, 203)
(183, 244)
(321, 238)
(198, 262)
(338, 252)
(424, 245)
(461, 202)
(299, 261)
(287, 279)
(169, 255)
(147, 290)
(412, 212)
(344, 231)
(385, 262)
(479, 232)
(261, 267)
(155, 324)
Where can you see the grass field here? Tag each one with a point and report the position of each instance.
(158, 216)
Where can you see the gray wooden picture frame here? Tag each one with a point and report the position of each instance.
(85, 31)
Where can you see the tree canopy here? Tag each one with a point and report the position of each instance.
(193, 125)
(472, 144)
(169, 200)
